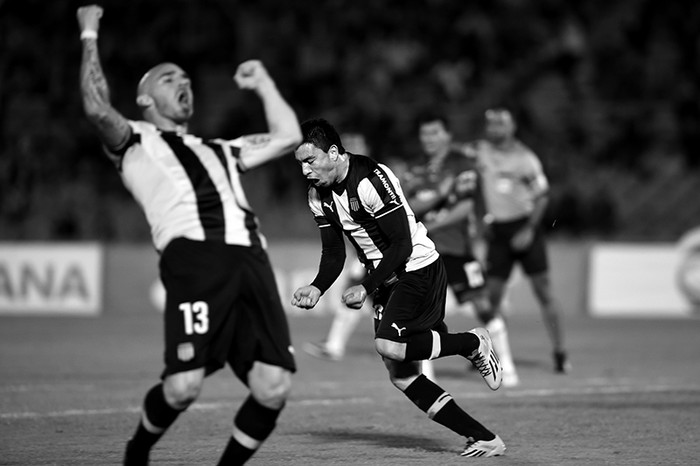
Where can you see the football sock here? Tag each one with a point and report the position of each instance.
(499, 336)
(251, 426)
(157, 415)
(343, 325)
(441, 408)
(433, 345)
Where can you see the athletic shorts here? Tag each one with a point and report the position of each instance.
(413, 304)
(222, 305)
(501, 256)
(465, 276)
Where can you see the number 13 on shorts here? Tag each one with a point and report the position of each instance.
(195, 317)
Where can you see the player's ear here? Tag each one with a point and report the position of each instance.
(333, 152)
(144, 100)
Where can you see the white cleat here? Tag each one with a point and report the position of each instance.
(484, 448)
(485, 360)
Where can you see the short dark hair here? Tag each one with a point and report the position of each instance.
(321, 134)
(429, 116)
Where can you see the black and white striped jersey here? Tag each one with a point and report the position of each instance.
(188, 187)
(370, 192)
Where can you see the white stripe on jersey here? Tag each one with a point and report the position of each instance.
(370, 200)
(160, 182)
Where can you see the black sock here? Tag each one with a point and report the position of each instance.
(251, 426)
(159, 414)
(420, 346)
(441, 408)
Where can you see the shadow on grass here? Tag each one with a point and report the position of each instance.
(383, 439)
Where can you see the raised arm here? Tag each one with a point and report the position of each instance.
(111, 126)
(284, 133)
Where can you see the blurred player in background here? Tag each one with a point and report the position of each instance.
(222, 304)
(515, 190)
(445, 195)
(356, 197)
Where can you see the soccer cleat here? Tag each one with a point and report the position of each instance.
(319, 350)
(485, 360)
(484, 448)
(561, 363)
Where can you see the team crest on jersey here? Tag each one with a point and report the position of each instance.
(185, 352)
(354, 204)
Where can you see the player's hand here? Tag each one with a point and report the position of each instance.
(306, 297)
(354, 297)
(89, 17)
(251, 74)
(523, 238)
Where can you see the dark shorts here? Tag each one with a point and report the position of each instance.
(502, 257)
(222, 305)
(414, 304)
(465, 275)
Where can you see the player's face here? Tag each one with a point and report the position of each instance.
(434, 138)
(500, 126)
(320, 168)
(171, 90)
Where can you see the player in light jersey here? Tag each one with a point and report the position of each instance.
(222, 304)
(357, 198)
(515, 189)
(445, 194)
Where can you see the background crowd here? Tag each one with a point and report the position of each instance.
(606, 92)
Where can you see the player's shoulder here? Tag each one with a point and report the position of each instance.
(143, 127)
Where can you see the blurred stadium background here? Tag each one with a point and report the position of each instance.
(606, 92)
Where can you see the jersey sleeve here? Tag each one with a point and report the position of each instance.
(117, 156)
(332, 245)
(380, 192)
(535, 177)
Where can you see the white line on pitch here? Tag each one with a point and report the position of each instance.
(515, 393)
(195, 407)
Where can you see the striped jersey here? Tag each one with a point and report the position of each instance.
(370, 191)
(187, 187)
(513, 179)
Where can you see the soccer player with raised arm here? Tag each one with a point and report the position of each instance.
(357, 198)
(222, 304)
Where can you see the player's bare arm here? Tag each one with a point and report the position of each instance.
(111, 126)
(284, 132)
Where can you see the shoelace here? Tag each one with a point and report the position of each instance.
(480, 362)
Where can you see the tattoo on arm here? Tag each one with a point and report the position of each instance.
(112, 127)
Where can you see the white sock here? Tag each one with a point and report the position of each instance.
(343, 325)
(499, 335)
(428, 370)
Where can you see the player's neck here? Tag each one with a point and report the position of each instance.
(166, 124)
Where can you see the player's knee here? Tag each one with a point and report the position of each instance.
(390, 349)
(181, 390)
(271, 387)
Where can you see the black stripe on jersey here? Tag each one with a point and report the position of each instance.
(251, 223)
(209, 206)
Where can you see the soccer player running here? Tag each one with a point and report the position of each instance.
(515, 190)
(445, 195)
(357, 197)
(222, 304)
